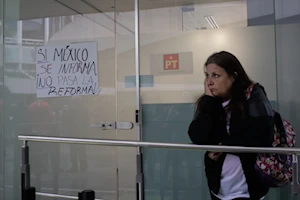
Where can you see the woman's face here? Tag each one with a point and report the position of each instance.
(218, 81)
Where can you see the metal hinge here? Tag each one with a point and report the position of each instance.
(137, 116)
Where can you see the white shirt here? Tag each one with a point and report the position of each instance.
(233, 180)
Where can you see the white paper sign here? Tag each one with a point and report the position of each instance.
(67, 70)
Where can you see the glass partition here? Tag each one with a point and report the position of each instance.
(62, 168)
(11, 144)
(175, 42)
(176, 37)
(2, 148)
(287, 59)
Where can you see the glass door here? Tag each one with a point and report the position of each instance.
(65, 77)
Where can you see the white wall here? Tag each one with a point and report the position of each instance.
(253, 46)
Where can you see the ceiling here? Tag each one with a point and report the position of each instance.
(34, 9)
(226, 14)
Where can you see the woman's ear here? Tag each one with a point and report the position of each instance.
(234, 77)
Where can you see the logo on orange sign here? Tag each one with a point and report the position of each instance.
(171, 62)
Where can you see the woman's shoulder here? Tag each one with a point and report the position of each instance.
(257, 93)
(258, 102)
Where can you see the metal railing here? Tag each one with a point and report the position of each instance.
(128, 143)
(295, 187)
(58, 196)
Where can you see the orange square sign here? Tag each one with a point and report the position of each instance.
(171, 62)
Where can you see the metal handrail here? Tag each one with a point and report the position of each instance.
(295, 187)
(57, 196)
(128, 143)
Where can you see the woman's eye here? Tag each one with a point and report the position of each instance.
(216, 75)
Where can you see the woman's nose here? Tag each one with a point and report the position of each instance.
(210, 81)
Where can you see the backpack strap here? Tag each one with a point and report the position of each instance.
(278, 123)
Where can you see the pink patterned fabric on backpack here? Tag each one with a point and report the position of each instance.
(275, 170)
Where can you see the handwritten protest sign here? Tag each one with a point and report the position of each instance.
(67, 70)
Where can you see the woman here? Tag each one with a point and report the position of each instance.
(224, 116)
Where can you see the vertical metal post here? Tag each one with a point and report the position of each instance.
(137, 66)
(139, 157)
(25, 169)
(116, 94)
(295, 182)
(59, 23)
(46, 30)
(20, 43)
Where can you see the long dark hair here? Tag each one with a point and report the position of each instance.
(234, 68)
